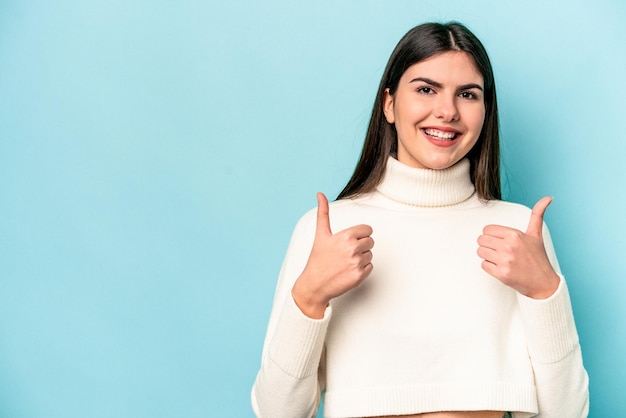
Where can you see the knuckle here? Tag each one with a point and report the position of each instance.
(345, 236)
(355, 263)
(356, 277)
(506, 271)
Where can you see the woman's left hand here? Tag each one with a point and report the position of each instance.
(519, 259)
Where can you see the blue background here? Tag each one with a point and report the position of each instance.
(155, 156)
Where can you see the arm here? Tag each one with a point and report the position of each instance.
(291, 378)
(287, 384)
(552, 341)
(527, 263)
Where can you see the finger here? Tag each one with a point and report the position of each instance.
(487, 254)
(366, 258)
(499, 231)
(489, 241)
(359, 231)
(323, 219)
(490, 268)
(535, 225)
(365, 244)
(367, 269)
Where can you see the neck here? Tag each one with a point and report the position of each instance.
(427, 187)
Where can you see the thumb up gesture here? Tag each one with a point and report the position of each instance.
(518, 259)
(338, 262)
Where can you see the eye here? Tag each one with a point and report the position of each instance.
(425, 90)
(468, 95)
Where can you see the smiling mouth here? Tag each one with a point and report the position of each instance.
(441, 135)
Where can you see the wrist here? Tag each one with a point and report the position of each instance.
(310, 305)
(548, 288)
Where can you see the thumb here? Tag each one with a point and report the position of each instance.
(323, 220)
(535, 226)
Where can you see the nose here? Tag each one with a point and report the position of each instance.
(446, 109)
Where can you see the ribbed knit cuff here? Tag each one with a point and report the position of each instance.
(549, 325)
(298, 340)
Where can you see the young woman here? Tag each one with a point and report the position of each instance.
(458, 309)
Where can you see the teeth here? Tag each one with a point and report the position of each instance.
(440, 135)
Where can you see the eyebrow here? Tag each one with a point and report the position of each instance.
(439, 85)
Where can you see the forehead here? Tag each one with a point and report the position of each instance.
(454, 67)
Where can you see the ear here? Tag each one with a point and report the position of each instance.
(388, 107)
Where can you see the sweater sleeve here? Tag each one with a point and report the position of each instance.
(289, 383)
(554, 350)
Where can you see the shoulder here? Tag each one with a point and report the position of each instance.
(508, 207)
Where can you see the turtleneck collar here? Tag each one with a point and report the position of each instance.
(427, 187)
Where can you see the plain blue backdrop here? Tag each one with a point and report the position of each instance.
(155, 156)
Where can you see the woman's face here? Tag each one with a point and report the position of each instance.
(438, 110)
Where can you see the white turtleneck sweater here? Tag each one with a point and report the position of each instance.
(428, 330)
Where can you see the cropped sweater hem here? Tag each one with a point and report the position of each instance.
(401, 399)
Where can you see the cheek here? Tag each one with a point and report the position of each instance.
(477, 120)
(410, 114)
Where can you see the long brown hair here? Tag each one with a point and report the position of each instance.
(381, 140)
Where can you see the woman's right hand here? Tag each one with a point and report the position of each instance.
(338, 262)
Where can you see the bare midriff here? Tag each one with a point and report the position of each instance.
(451, 414)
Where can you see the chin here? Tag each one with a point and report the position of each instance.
(439, 165)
